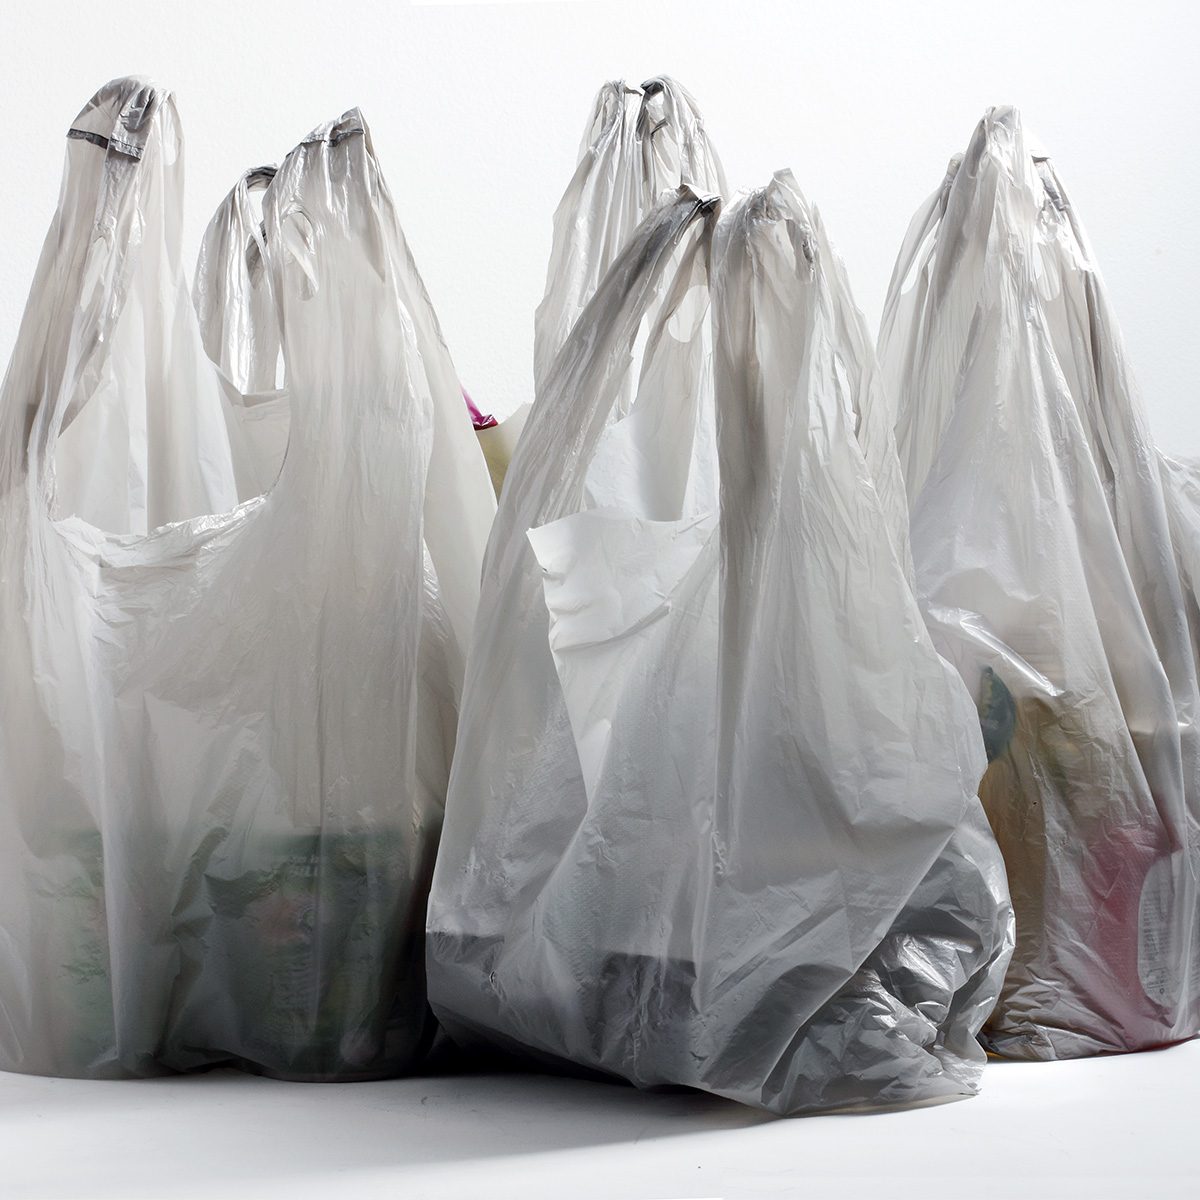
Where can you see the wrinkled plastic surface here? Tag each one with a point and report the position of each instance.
(240, 325)
(639, 143)
(1045, 569)
(110, 327)
(712, 821)
(217, 809)
(1181, 492)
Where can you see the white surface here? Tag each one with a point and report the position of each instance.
(477, 112)
(1104, 1129)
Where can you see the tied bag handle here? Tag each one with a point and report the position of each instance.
(613, 100)
(866, 396)
(329, 237)
(669, 125)
(646, 525)
(582, 245)
(125, 119)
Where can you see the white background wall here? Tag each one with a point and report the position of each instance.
(477, 110)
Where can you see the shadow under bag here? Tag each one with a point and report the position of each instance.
(712, 819)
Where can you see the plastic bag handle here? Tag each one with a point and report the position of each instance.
(548, 472)
(258, 177)
(255, 179)
(608, 106)
(130, 107)
(214, 270)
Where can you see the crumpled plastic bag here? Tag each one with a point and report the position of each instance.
(216, 823)
(712, 820)
(1045, 568)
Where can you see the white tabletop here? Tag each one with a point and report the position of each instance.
(1101, 1129)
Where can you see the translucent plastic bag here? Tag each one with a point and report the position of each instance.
(214, 839)
(663, 858)
(1045, 569)
(240, 325)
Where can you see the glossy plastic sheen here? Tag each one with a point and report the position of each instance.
(639, 143)
(1045, 569)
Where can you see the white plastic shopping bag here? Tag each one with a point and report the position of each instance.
(712, 817)
(215, 836)
(1045, 568)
